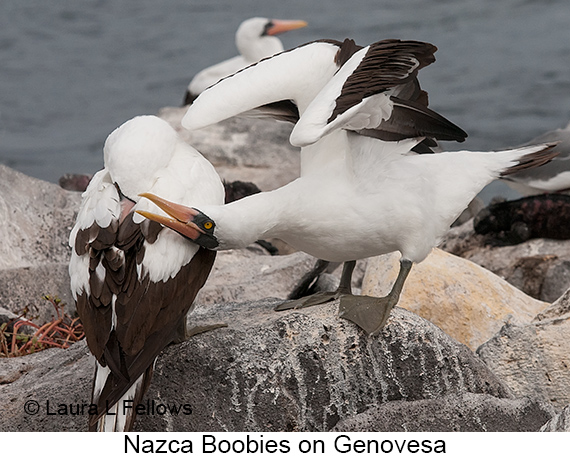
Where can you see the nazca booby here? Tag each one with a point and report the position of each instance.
(255, 39)
(362, 191)
(133, 281)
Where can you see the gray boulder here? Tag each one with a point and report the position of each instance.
(466, 412)
(35, 220)
(559, 423)
(267, 371)
(306, 370)
(534, 359)
(26, 286)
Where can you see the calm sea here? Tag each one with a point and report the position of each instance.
(73, 70)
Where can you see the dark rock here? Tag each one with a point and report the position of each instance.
(539, 267)
(74, 182)
(515, 221)
(458, 413)
(236, 190)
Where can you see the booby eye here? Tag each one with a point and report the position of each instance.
(208, 225)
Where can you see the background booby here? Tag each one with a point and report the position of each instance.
(255, 40)
(133, 281)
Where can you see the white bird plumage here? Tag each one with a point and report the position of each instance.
(134, 282)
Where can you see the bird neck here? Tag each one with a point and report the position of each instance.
(255, 50)
(240, 223)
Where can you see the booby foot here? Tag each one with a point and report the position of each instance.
(312, 300)
(187, 333)
(196, 330)
(369, 313)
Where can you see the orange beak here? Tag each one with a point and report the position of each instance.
(181, 220)
(280, 26)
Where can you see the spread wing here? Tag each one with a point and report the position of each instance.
(377, 93)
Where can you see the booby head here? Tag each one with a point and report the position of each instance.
(255, 37)
(189, 222)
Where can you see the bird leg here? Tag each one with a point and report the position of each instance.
(320, 298)
(371, 313)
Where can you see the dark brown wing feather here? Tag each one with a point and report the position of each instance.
(387, 64)
(394, 65)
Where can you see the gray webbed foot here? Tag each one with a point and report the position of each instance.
(319, 298)
(369, 313)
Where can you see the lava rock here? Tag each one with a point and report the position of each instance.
(515, 221)
(459, 413)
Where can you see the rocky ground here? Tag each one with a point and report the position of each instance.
(480, 341)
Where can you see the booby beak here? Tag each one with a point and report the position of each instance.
(181, 220)
(279, 26)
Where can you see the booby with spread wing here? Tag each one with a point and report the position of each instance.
(255, 39)
(363, 191)
(133, 281)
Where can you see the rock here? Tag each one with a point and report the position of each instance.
(267, 371)
(244, 149)
(24, 287)
(538, 267)
(75, 182)
(537, 216)
(459, 413)
(36, 385)
(466, 301)
(35, 220)
(306, 370)
(559, 423)
(534, 358)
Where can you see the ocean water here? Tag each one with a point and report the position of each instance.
(73, 70)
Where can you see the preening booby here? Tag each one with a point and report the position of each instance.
(362, 191)
(133, 281)
(255, 39)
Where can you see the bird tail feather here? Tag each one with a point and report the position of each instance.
(119, 416)
(529, 157)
